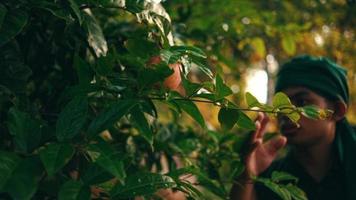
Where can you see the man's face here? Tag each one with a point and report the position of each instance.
(311, 131)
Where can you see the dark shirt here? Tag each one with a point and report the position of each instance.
(331, 187)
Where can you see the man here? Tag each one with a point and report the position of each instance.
(322, 153)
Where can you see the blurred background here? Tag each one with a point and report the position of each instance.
(247, 41)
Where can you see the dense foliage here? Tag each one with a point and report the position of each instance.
(83, 86)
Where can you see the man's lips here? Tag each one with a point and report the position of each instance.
(289, 129)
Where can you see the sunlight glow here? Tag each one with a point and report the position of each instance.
(257, 81)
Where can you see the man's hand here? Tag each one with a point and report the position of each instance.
(261, 155)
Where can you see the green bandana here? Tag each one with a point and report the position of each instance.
(329, 80)
(318, 74)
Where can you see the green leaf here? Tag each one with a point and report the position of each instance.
(142, 184)
(13, 23)
(141, 123)
(191, 88)
(95, 175)
(228, 117)
(288, 44)
(54, 9)
(96, 37)
(110, 116)
(252, 101)
(3, 12)
(107, 158)
(188, 50)
(149, 76)
(84, 72)
(281, 100)
(314, 112)
(55, 156)
(279, 190)
(24, 179)
(191, 109)
(74, 190)
(278, 176)
(76, 10)
(245, 122)
(72, 118)
(136, 6)
(259, 46)
(141, 48)
(8, 164)
(221, 90)
(26, 130)
(296, 193)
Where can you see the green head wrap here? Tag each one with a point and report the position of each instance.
(316, 73)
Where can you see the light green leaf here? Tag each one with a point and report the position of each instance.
(74, 190)
(96, 37)
(110, 116)
(8, 163)
(259, 46)
(107, 158)
(55, 156)
(142, 184)
(25, 130)
(192, 110)
(222, 90)
(278, 176)
(228, 117)
(281, 100)
(288, 44)
(141, 123)
(72, 118)
(296, 193)
(13, 23)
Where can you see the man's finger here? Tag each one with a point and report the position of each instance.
(275, 144)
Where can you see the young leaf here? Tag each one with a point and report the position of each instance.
(55, 156)
(228, 117)
(74, 190)
(25, 130)
(281, 100)
(142, 184)
(192, 110)
(278, 176)
(72, 118)
(222, 90)
(107, 158)
(141, 123)
(111, 115)
(13, 23)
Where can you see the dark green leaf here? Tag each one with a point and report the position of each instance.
(188, 50)
(149, 76)
(228, 117)
(95, 175)
(136, 6)
(8, 163)
(221, 90)
(84, 72)
(74, 190)
(279, 190)
(3, 12)
(13, 23)
(191, 88)
(141, 48)
(107, 158)
(26, 130)
(110, 116)
(55, 156)
(141, 123)
(72, 118)
(24, 180)
(192, 110)
(142, 184)
(245, 122)
(96, 37)
(76, 10)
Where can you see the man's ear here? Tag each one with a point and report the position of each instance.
(340, 109)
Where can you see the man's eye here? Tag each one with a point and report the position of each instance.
(300, 102)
